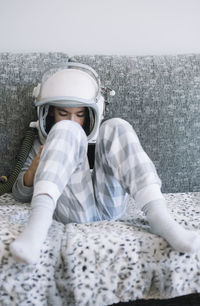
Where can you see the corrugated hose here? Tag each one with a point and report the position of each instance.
(6, 183)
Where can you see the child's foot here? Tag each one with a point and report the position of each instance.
(162, 224)
(26, 248)
(23, 250)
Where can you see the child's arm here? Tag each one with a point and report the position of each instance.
(22, 191)
(30, 173)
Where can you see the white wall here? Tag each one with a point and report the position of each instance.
(134, 27)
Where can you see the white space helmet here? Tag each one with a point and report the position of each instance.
(75, 85)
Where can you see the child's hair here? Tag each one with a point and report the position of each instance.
(87, 123)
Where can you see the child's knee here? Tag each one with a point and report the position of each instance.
(66, 125)
(116, 122)
(67, 129)
(116, 127)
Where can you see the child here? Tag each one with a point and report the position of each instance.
(70, 109)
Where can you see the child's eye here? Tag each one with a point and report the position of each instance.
(81, 115)
(62, 114)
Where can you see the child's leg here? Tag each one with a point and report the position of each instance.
(26, 248)
(163, 224)
(119, 154)
(63, 152)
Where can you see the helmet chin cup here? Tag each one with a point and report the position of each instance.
(74, 85)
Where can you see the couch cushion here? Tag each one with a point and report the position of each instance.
(99, 263)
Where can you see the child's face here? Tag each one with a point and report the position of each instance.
(76, 114)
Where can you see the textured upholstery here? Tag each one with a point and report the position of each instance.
(158, 95)
(19, 73)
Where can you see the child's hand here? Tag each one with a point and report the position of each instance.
(34, 165)
(30, 173)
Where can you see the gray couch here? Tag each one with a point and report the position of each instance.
(160, 97)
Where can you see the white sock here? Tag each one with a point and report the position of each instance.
(162, 224)
(26, 248)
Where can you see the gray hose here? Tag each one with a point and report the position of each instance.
(7, 183)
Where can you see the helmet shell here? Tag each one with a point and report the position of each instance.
(76, 85)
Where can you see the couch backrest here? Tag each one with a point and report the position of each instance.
(158, 95)
(19, 73)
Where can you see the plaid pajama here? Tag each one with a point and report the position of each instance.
(121, 168)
